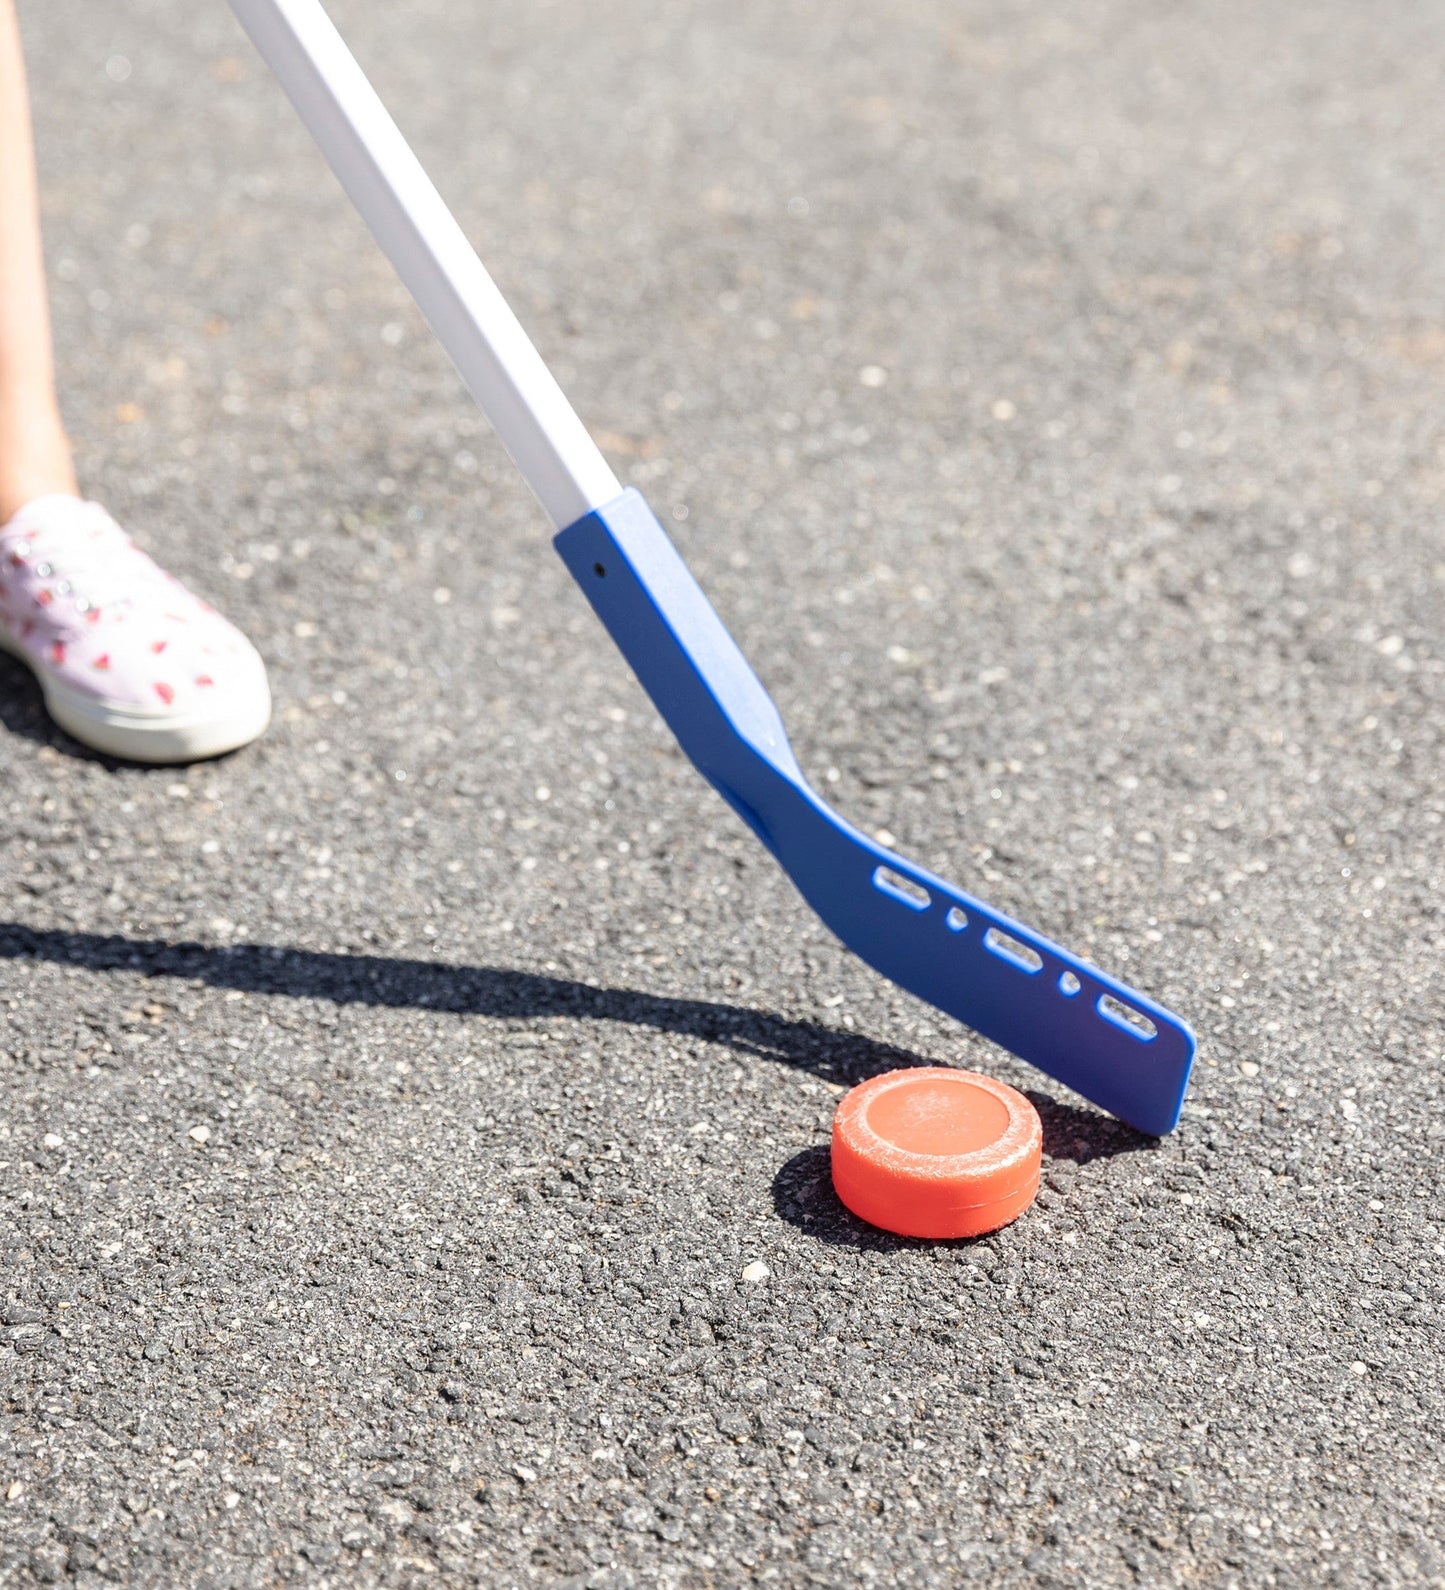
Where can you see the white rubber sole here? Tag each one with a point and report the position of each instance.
(157, 737)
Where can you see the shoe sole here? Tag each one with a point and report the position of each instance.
(136, 736)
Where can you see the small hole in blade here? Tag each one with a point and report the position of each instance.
(911, 894)
(956, 920)
(1069, 985)
(1012, 950)
(1134, 1022)
(599, 571)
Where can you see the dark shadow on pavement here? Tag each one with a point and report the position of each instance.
(803, 1196)
(385, 980)
(22, 709)
(802, 1190)
(1082, 1135)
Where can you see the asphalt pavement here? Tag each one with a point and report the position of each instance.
(413, 1128)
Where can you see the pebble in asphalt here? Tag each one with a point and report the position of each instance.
(413, 1129)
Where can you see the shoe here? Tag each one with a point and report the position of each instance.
(129, 661)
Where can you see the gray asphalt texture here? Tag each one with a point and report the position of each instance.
(1052, 399)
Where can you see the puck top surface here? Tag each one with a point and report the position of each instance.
(934, 1152)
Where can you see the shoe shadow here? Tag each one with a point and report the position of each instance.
(22, 708)
(22, 712)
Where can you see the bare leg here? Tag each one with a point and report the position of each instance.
(127, 659)
(34, 453)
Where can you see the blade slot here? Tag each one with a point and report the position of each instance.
(902, 889)
(1014, 951)
(1125, 1017)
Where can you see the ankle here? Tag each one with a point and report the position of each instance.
(33, 471)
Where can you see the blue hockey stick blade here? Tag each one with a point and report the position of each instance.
(1097, 1036)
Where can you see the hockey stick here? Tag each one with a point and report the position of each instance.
(1100, 1037)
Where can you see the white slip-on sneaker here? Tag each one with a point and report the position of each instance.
(129, 661)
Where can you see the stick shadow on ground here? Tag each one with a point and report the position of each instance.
(502, 992)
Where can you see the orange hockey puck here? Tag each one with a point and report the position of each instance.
(934, 1152)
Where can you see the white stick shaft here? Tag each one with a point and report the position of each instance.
(501, 368)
